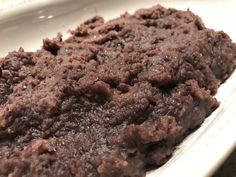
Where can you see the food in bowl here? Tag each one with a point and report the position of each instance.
(114, 99)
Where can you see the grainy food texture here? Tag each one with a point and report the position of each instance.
(114, 99)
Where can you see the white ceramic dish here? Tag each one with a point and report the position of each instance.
(200, 153)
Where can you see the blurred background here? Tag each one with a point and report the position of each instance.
(9, 3)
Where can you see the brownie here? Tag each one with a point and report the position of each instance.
(114, 99)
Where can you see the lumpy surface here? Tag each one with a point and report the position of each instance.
(114, 99)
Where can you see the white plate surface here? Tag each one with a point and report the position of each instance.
(204, 150)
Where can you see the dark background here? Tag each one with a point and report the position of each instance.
(228, 168)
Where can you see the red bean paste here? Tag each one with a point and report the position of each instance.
(114, 99)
